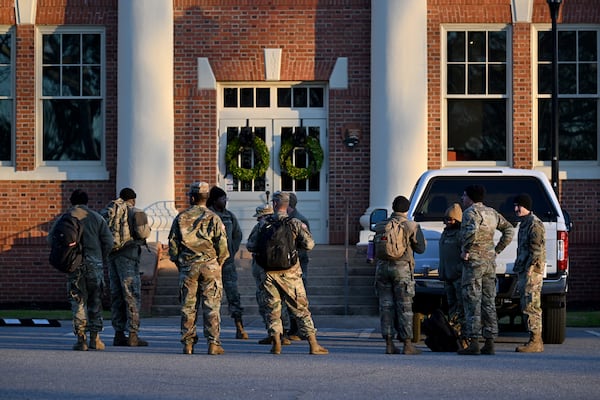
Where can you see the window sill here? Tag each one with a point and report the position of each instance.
(56, 173)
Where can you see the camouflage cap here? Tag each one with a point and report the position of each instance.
(199, 187)
(282, 197)
(263, 210)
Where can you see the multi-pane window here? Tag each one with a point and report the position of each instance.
(476, 94)
(286, 97)
(578, 94)
(6, 98)
(72, 96)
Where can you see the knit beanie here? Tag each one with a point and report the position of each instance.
(454, 212)
(523, 200)
(400, 204)
(127, 194)
(475, 193)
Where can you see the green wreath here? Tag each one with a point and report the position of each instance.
(315, 158)
(261, 159)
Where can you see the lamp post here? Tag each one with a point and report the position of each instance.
(554, 7)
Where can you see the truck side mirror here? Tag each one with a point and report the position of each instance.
(377, 215)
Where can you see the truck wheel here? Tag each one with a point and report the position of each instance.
(417, 319)
(554, 318)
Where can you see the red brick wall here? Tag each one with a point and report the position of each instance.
(312, 35)
(29, 207)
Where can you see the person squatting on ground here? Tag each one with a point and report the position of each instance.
(395, 283)
(529, 266)
(451, 265)
(217, 202)
(124, 275)
(198, 247)
(282, 284)
(262, 212)
(85, 285)
(478, 226)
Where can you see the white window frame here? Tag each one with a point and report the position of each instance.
(445, 96)
(68, 170)
(567, 169)
(7, 166)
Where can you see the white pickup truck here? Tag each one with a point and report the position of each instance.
(436, 190)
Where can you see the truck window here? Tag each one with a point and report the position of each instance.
(442, 191)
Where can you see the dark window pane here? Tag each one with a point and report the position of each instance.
(497, 79)
(456, 46)
(567, 46)
(316, 97)
(5, 48)
(284, 97)
(6, 119)
(51, 81)
(5, 80)
(456, 79)
(71, 81)
(91, 81)
(91, 49)
(477, 43)
(578, 129)
(300, 97)
(544, 78)
(72, 130)
(71, 49)
(230, 98)
(247, 97)
(497, 46)
(588, 78)
(477, 77)
(545, 46)
(263, 97)
(588, 48)
(51, 49)
(567, 78)
(477, 129)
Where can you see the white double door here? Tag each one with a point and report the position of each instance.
(244, 197)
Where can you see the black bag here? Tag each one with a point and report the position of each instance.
(441, 336)
(66, 250)
(275, 245)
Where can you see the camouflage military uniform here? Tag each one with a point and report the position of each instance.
(395, 283)
(479, 224)
(302, 254)
(125, 283)
(198, 246)
(229, 273)
(86, 284)
(529, 265)
(287, 286)
(258, 273)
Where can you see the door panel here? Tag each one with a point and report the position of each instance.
(245, 196)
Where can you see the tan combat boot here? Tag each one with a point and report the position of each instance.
(215, 349)
(188, 348)
(95, 342)
(240, 333)
(81, 344)
(276, 344)
(535, 345)
(390, 347)
(135, 341)
(315, 347)
(410, 348)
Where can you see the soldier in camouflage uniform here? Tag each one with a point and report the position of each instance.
(395, 283)
(217, 202)
(86, 284)
(125, 281)
(287, 286)
(529, 265)
(478, 226)
(198, 246)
